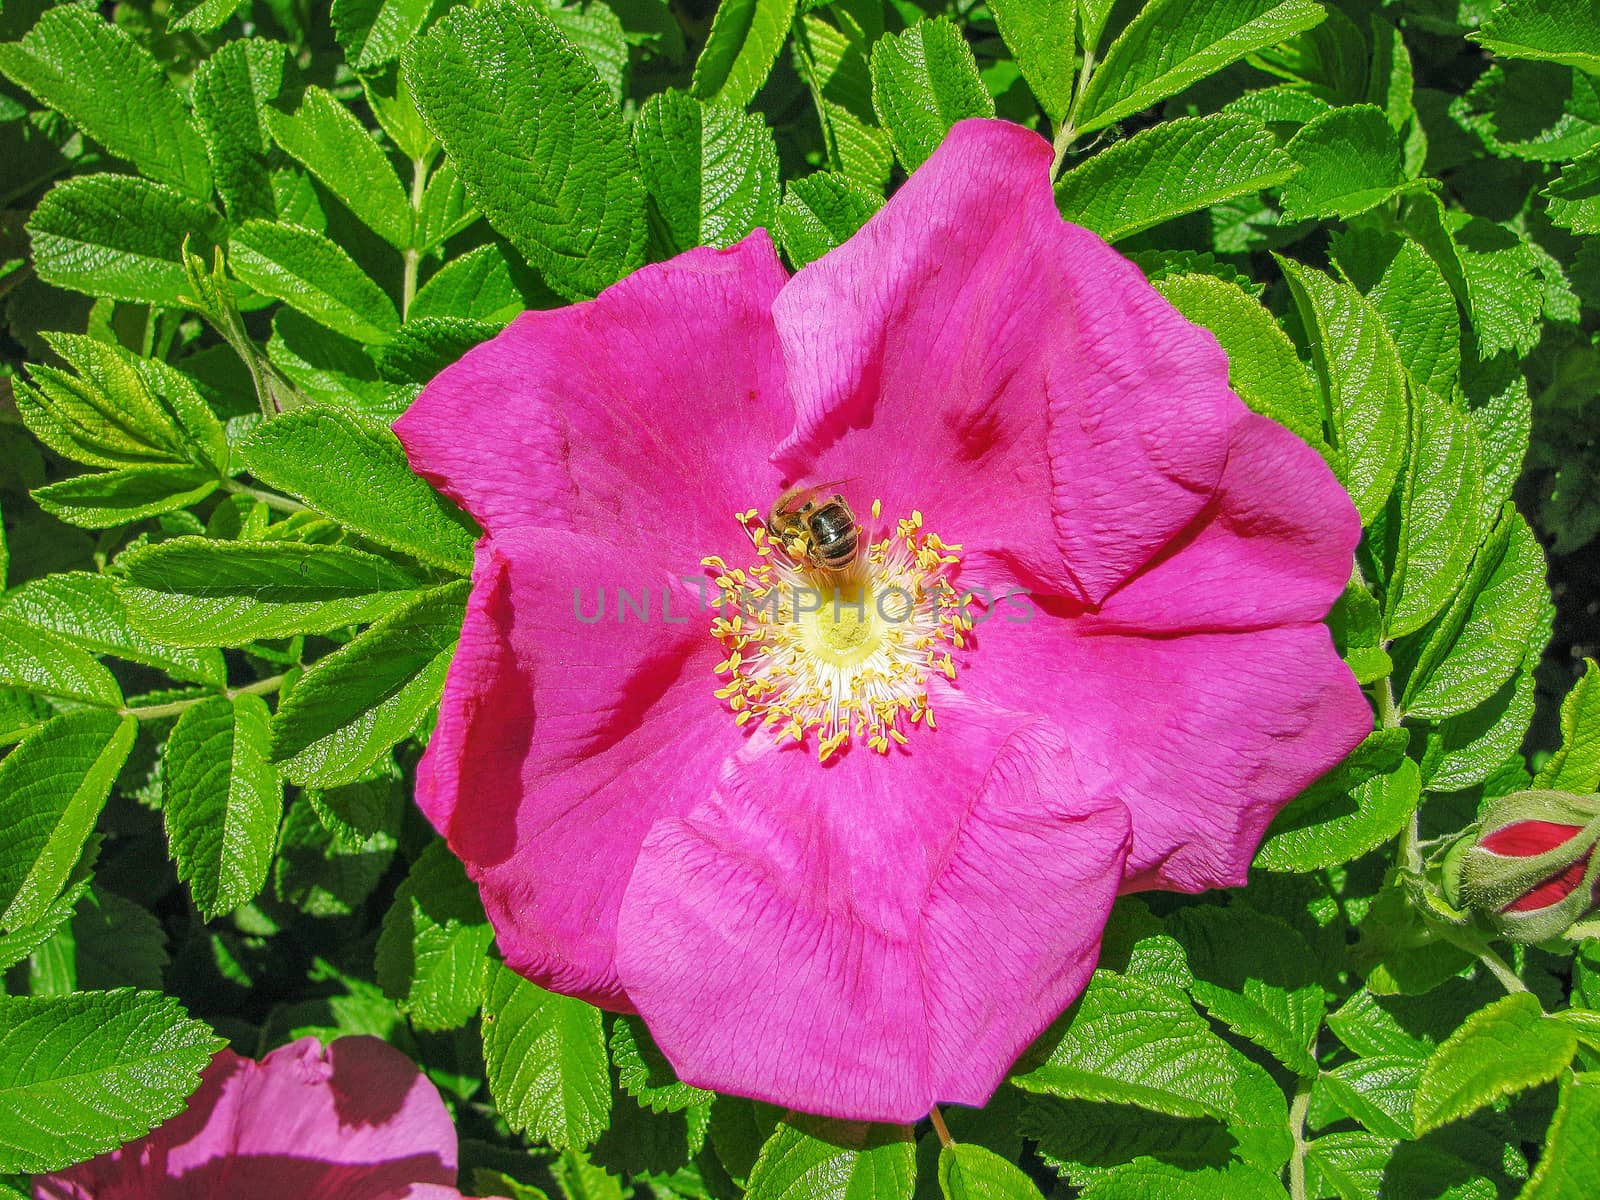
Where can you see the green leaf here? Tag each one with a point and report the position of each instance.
(1467, 652)
(118, 409)
(193, 591)
(1570, 1161)
(446, 209)
(1470, 747)
(1173, 43)
(711, 169)
(100, 499)
(351, 706)
(1147, 1179)
(82, 1074)
(327, 367)
(598, 34)
(1575, 195)
(433, 952)
(546, 1061)
(23, 941)
(108, 85)
(537, 141)
(1039, 35)
(373, 33)
(1132, 1042)
(821, 211)
(1436, 519)
(924, 80)
(330, 143)
(118, 236)
(815, 1159)
(1170, 169)
(1378, 1091)
(740, 49)
(481, 285)
(231, 91)
(1362, 380)
(1500, 1050)
(322, 876)
(85, 609)
(1346, 813)
(969, 1172)
(1257, 976)
(1349, 162)
(1407, 1026)
(223, 801)
(52, 787)
(644, 1072)
(116, 943)
(1546, 30)
(1262, 364)
(357, 812)
(1412, 296)
(354, 472)
(45, 663)
(1504, 286)
(1575, 767)
(308, 272)
(834, 59)
(202, 16)
(427, 345)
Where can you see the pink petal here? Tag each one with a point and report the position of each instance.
(1275, 546)
(560, 742)
(865, 939)
(653, 407)
(971, 355)
(1204, 737)
(354, 1121)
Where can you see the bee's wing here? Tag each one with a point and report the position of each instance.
(795, 497)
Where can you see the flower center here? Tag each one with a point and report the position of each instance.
(839, 655)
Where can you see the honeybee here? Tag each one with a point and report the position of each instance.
(821, 532)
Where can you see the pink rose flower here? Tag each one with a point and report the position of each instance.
(354, 1121)
(1015, 410)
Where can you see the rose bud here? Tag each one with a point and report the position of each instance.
(1532, 868)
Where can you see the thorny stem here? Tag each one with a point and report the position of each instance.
(408, 286)
(150, 712)
(940, 1128)
(270, 499)
(1298, 1108)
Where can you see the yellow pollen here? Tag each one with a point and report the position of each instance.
(839, 656)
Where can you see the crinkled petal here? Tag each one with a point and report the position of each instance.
(971, 355)
(1203, 737)
(654, 407)
(354, 1121)
(565, 731)
(864, 940)
(1275, 546)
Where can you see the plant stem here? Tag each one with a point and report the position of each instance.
(939, 1127)
(270, 499)
(1068, 132)
(1498, 967)
(1298, 1108)
(150, 712)
(419, 186)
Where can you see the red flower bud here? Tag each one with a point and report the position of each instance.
(1524, 839)
(1532, 871)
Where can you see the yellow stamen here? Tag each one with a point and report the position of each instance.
(839, 655)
